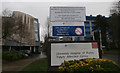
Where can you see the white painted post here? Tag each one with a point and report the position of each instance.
(34, 49)
(30, 49)
(10, 49)
(41, 53)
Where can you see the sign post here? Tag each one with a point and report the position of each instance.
(69, 22)
(66, 51)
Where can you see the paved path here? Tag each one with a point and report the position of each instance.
(19, 65)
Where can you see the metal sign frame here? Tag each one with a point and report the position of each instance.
(49, 49)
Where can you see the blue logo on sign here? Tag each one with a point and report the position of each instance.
(68, 31)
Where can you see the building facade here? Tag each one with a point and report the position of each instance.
(89, 24)
(89, 32)
(24, 32)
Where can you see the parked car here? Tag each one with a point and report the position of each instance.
(26, 52)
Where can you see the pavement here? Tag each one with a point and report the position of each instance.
(20, 64)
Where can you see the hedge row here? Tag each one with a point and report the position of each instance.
(89, 65)
(12, 56)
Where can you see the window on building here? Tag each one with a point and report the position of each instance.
(88, 35)
(93, 25)
(35, 22)
(95, 31)
(36, 36)
(87, 24)
(35, 26)
(87, 29)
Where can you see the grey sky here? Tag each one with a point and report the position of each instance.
(40, 10)
(58, 0)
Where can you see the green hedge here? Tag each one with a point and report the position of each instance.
(12, 56)
(89, 65)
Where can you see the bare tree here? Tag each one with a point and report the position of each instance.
(115, 24)
(7, 23)
(13, 28)
(0, 29)
(115, 8)
(7, 13)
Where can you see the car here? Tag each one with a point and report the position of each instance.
(26, 52)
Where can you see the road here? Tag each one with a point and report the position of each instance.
(113, 57)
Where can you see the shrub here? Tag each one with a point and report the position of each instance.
(89, 65)
(12, 56)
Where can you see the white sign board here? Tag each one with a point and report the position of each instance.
(67, 14)
(72, 51)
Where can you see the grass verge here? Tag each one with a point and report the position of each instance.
(39, 65)
(113, 51)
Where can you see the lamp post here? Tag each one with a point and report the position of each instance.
(100, 39)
